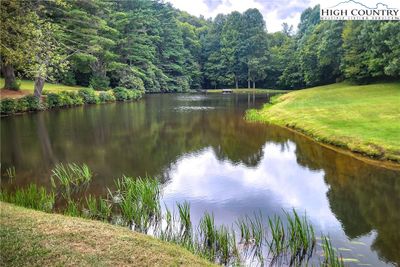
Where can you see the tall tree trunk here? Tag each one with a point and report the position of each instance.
(254, 85)
(9, 76)
(39, 83)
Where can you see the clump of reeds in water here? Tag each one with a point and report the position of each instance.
(139, 202)
(277, 242)
(70, 178)
(294, 243)
(331, 259)
(185, 236)
(300, 238)
(97, 208)
(33, 197)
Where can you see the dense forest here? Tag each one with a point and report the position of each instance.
(151, 46)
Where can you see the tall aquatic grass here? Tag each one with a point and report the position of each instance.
(243, 226)
(139, 202)
(33, 197)
(331, 259)
(301, 238)
(217, 244)
(277, 243)
(72, 209)
(207, 236)
(167, 233)
(70, 178)
(185, 229)
(226, 249)
(295, 242)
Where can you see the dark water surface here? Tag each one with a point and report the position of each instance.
(204, 152)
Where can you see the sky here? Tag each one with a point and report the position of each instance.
(275, 12)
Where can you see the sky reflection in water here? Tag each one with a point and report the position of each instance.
(277, 183)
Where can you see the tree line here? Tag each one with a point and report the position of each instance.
(149, 45)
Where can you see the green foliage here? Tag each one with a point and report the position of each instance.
(72, 209)
(33, 197)
(68, 78)
(33, 102)
(71, 98)
(63, 99)
(106, 96)
(120, 93)
(149, 45)
(15, 85)
(100, 83)
(23, 104)
(131, 82)
(53, 100)
(8, 106)
(98, 209)
(123, 94)
(89, 96)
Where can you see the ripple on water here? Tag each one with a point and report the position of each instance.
(192, 97)
(192, 108)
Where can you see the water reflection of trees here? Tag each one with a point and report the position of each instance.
(137, 139)
(362, 196)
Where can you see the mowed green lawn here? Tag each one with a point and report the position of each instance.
(364, 119)
(28, 85)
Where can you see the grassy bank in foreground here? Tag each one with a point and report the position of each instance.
(363, 119)
(36, 238)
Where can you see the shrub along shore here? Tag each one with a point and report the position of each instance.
(64, 99)
(363, 118)
(136, 204)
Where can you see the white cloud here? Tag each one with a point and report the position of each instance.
(275, 12)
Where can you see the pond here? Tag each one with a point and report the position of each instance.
(204, 152)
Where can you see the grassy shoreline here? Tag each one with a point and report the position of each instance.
(30, 237)
(362, 119)
(249, 91)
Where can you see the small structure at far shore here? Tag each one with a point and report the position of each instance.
(227, 91)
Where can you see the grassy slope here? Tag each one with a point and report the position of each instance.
(363, 119)
(31, 237)
(28, 85)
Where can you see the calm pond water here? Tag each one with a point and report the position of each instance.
(203, 151)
